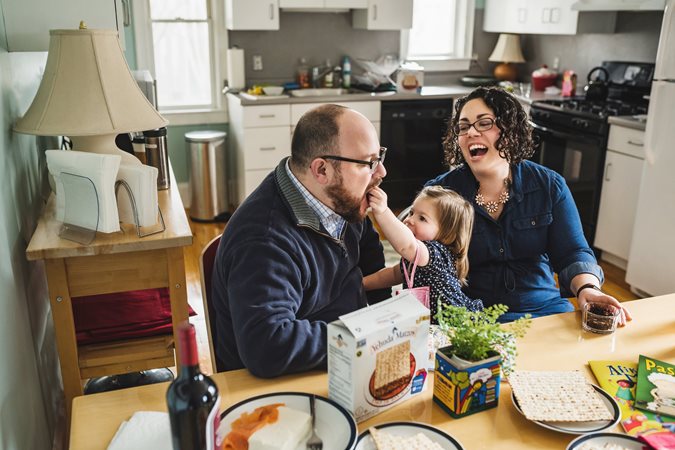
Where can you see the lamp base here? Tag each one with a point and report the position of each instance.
(506, 72)
(103, 144)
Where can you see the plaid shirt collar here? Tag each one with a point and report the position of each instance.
(331, 221)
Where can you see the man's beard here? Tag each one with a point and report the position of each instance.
(345, 204)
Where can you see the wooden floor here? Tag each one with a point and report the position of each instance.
(204, 232)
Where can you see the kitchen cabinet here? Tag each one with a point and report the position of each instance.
(259, 138)
(384, 15)
(27, 22)
(323, 4)
(252, 14)
(543, 17)
(619, 195)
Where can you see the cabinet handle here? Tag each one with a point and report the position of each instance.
(545, 18)
(522, 15)
(271, 11)
(126, 13)
(266, 116)
(374, 12)
(267, 149)
(637, 144)
(607, 171)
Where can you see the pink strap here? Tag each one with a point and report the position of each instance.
(410, 278)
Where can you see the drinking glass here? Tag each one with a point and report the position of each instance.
(525, 89)
(600, 318)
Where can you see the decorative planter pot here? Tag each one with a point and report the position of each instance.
(465, 387)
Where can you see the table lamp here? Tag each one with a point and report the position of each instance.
(507, 51)
(88, 94)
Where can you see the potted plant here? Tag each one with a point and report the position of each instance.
(467, 372)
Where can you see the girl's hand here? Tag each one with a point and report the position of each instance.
(377, 200)
(595, 296)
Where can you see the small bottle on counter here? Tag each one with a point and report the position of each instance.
(303, 74)
(346, 73)
(328, 78)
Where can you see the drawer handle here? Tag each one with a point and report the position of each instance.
(267, 116)
(267, 149)
(607, 171)
(637, 144)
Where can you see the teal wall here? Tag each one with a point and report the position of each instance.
(30, 392)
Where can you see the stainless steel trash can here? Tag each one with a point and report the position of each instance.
(208, 175)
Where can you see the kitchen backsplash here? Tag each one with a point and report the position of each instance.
(321, 36)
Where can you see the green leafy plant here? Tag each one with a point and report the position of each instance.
(478, 335)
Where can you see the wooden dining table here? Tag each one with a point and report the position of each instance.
(552, 343)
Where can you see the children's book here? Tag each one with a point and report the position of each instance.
(656, 386)
(619, 379)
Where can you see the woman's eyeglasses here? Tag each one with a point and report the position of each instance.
(479, 125)
(372, 164)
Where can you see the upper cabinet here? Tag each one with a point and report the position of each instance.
(384, 15)
(543, 17)
(27, 22)
(252, 14)
(323, 4)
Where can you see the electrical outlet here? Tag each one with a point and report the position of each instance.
(257, 62)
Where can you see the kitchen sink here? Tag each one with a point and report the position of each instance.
(318, 92)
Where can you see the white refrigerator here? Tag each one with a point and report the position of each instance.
(651, 261)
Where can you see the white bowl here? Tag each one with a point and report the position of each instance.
(273, 90)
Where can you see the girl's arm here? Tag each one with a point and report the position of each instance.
(383, 278)
(401, 238)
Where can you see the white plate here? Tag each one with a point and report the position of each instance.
(443, 439)
(628, 442)
(581, 427)
(334, 425)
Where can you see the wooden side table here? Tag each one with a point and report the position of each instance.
(114, 262)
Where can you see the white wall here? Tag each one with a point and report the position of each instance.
(30, 386)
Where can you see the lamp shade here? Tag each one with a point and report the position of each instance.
(87, 89)
(507, 49)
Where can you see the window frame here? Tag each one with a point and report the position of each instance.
(218, 42)
(464, 26)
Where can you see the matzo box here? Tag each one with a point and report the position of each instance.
(378, 355)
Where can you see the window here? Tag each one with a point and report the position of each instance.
(441, 37)
(176, 41)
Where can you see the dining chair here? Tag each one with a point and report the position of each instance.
(206, 260)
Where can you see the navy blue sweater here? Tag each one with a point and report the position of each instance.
(279, 278)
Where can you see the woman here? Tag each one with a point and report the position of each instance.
(526, 224)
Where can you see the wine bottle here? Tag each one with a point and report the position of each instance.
(192, 399)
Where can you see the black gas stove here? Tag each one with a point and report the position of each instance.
(571, 134)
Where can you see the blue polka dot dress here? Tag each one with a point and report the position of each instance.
(440, 274)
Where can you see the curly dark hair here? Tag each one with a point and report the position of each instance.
(515, 141)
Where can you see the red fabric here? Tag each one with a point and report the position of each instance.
(122, 315)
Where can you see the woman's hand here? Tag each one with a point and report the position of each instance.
(377, 200)
(593, 295)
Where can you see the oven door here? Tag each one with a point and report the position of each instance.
(580, 159)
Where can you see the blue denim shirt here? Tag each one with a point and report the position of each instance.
(512, 259)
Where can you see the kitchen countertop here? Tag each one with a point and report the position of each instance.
(437, 92)
(629, 121)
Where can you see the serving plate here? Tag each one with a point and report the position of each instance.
(405, 429)
(581, 427)
(334, 424)
(599, 439)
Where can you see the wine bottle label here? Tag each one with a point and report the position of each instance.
(212, 423)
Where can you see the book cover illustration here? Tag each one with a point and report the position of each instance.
(656, 386)
(619, 379)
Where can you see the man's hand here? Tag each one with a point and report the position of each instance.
(592, 295)
(377, 200)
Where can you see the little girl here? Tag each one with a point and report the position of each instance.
(439, 228)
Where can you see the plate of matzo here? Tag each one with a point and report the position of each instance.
(406, 436)
(563, 401)
(606, 441)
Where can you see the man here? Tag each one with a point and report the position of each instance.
(293, 255)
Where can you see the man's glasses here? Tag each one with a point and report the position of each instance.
(479, 125)
(372, 164)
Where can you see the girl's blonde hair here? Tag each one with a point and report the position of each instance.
(455, 219)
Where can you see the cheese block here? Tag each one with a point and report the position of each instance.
(292, 428)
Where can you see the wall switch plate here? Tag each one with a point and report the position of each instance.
(257, 62)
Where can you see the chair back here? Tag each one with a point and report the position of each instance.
(206, 261)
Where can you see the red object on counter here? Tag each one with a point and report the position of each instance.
(543, 78)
